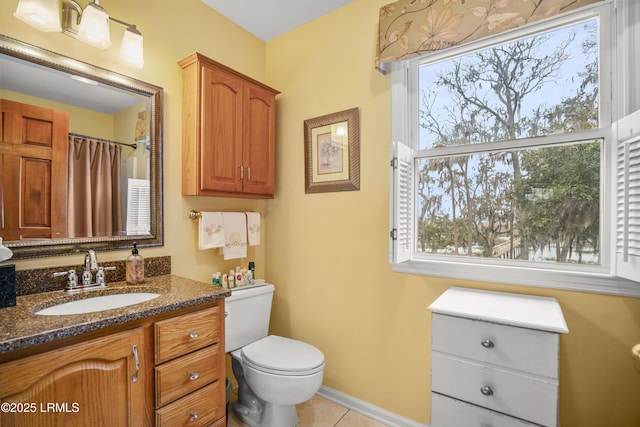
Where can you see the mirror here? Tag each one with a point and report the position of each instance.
(102, 105)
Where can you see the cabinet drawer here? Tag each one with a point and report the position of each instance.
(184, 334)
(199, 408)
(528, 398)
(448, 412)
(523, 349)
(181, 376)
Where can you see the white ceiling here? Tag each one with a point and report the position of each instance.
(267, 19)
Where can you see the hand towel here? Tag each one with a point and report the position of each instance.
(253, 228)
(235, 235)
(210, 231)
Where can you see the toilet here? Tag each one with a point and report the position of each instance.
(273, 373)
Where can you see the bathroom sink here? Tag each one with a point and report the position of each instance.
(99, 303)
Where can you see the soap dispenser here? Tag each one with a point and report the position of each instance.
(135, 267)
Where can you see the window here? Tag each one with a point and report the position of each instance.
(507, 153)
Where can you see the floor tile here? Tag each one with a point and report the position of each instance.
(321, 412)
(355, 419)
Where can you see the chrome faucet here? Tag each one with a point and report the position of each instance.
(90, 261)
(90, 266)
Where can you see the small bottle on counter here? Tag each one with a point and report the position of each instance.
(239, 277)
(216, 279)
(232, 279)
(135, 267)
(252, 268)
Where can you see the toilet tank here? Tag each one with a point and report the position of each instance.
(247, 314)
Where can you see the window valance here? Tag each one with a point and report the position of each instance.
(411, 28)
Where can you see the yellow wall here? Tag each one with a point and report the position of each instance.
(171, 30)
(81, 121)
(327, 252)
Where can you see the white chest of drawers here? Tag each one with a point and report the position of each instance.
(495, 359)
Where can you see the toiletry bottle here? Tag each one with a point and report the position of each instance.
(232, 278)
(135, 267)
(239, 277)
(252, 267)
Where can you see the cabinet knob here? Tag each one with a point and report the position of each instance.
(486, 390)
(193, 334)
(193, 416)
(194, 376)
(487, 343)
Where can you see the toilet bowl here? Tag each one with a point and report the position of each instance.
(274, 373)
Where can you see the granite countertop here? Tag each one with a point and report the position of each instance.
(21, 328)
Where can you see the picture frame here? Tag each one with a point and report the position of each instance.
(332, 152)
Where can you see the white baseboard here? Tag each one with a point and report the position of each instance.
(371, 411)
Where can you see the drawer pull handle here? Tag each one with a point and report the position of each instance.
(487, 344)
(193, 416)
(194, 376)
(193, 334)
(486, 390)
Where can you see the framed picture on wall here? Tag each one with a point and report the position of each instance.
(332, 152)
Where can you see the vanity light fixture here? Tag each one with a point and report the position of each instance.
(89, 25)
(94, 26)
(42, 14)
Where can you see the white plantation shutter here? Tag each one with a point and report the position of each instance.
(628, 143)
(628, 199)
(402, 209)
(138, 207)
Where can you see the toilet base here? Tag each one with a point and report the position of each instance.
(254, 411)
(268, 416)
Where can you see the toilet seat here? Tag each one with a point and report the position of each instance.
(283, 356)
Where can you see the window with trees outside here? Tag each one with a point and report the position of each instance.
(506, 163)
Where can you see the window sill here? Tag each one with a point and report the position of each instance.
(581, 282)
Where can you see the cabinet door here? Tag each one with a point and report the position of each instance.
(221, 127)
(33, 169)
(259, 140)
(98, 382)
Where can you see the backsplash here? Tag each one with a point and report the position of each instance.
(42, 280)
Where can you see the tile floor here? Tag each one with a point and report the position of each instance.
(321, 412)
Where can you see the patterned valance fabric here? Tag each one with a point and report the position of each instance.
(410, 28)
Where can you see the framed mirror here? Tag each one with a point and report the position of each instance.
(103, 109)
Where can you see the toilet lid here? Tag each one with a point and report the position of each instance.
(283, 356)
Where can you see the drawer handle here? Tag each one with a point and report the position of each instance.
(487, 344)
(486, 390)
(194, 376)
(193, 416)
(193, 334)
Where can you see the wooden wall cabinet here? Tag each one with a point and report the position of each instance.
(228, 132)
(33, 171)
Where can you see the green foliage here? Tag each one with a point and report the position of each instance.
(536, 198)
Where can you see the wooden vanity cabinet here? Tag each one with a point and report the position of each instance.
(190, 370)
(78, 385)
(228, 131)
(33, 171)
(167, 370)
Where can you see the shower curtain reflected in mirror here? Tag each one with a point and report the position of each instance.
(94, 206)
